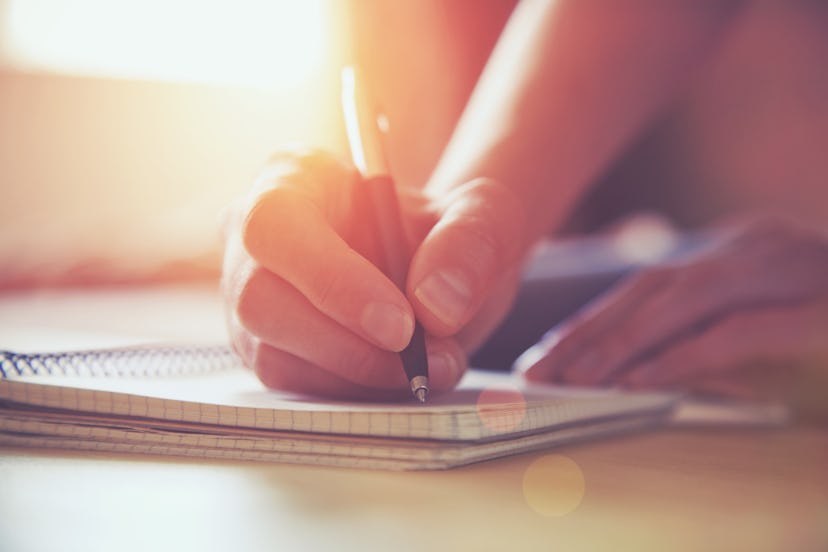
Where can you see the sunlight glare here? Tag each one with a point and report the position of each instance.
(258, 43)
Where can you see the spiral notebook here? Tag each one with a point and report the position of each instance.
(201, 402)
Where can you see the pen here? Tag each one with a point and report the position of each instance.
(363, 131)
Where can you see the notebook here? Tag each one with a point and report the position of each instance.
(201, 402)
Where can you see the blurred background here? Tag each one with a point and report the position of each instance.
(125, 127)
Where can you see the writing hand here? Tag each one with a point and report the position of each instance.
(310, 312)
(757, 301)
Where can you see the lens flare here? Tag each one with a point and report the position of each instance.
(501, 408)
(553, 485)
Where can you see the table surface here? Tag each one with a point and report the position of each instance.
(673, 489)
(668, 490)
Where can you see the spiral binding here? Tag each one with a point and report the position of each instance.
(153, 361)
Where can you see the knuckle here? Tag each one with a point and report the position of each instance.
(811, 250)
(309, 170)
(327, 288)
(719, 337)
(492, 192)
(258, 222)
(736, 324)
(771, 224)
(652, 277)
(505, 211)
(785, 252)
(482, 246)
(616, 350)
(307, 161)
(698, 275)
(368, 366)
(355, 364)
(767, 234)
(273, 229)
(619, 344)
(272, 367)
(248, 295)
(692, 352)
(493, 215)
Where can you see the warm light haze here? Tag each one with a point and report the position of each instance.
(257, 43)
(127, 126)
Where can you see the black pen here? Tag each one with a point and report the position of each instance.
(362, 125)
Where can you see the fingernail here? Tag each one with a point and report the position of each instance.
(446, 294)
(387, 324)
(442, 370)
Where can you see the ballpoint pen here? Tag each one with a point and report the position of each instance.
(362, 125)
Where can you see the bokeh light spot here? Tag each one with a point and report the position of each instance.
(553, 485)
(501, 408)
(645, 239)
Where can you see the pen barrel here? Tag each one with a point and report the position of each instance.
(385, 210)
(377, 190)
(415, 359)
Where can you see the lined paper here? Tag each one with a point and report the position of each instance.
(160, 401)
(235, 398)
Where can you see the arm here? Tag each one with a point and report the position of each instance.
(570, 84)
(745, 315)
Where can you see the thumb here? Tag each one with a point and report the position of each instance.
(479, 235)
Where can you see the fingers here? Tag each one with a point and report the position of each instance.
(289, 232)
(286, 372)
(678, 305)
(758, 352)
(313, 353)
(575, 338)
(784, 336)
(479, 235)
(761, 266)
(279, 315)
(308, 310)
(282, 370)
(492, 311)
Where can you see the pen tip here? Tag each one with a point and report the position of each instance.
(419, 387)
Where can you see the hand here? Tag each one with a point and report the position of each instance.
(310, 312)
(752, 309)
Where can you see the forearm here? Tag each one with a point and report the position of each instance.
(570, 84)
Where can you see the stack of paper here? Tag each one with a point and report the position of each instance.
(203, 403)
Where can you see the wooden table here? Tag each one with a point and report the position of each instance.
(671, 490)
(676, 489)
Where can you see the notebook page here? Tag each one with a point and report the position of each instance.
(235, 398)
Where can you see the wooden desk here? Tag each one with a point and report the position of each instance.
(671, 490)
